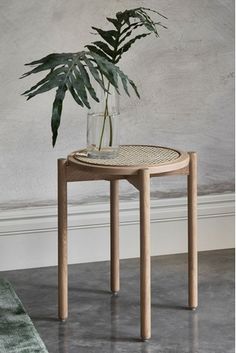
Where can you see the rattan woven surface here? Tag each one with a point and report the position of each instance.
(135, 155)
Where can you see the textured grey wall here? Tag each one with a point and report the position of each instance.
(186, 81)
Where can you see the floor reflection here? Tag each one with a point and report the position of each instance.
(114, 304)
(193, 332)
(63, 337)
(146, 348)
(114, 338)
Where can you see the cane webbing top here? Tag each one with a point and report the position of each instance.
(134, 155)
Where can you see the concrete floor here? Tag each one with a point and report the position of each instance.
(101, 323)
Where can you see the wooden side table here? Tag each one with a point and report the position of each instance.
(137, 164)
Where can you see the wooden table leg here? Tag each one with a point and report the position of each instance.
(192, 233)
(62, 242)
(114, 241)
(145, 257)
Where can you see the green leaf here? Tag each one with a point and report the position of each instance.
(78, 85)
(129, 33)
(94, 72)
(134, 87)
(147, 9)
(104, 47)
(147, 21)
(86, 80)
(55, 57)
(44, 88)
(49, 62)
(98, 51)
(125, 80)
(127, 45)
(125, 84)
(52, 80)
(108, 69)
(131, 28)
(124, 28)
(114, 22)
(120, 16)
(31, 89)
(56, 112)
(74, 93)
(106, 35)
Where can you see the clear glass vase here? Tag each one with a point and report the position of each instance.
(103, 125)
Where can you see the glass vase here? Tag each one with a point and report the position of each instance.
(103, 125)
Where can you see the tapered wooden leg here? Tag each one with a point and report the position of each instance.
(145, 257)
(192, 233)
(114, 242)
(62, 242)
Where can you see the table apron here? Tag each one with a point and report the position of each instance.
(74, 174)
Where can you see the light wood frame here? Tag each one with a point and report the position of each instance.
(71, 170)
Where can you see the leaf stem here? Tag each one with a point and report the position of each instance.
(106, 113)
(111, 131)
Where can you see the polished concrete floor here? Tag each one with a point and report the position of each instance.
(101, 323)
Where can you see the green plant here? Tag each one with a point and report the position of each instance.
(72, 71)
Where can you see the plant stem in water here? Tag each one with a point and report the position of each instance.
(105, 115)
(111, 131)
(104, 120)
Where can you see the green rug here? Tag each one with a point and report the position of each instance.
(17, 332)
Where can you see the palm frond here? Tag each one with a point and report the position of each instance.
(72, 72)
(116, 41)
(56, 112)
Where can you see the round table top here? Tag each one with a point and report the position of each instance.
(132, 158)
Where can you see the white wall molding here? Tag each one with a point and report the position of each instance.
(28, 236)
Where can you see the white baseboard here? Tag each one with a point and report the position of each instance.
(28, 236)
